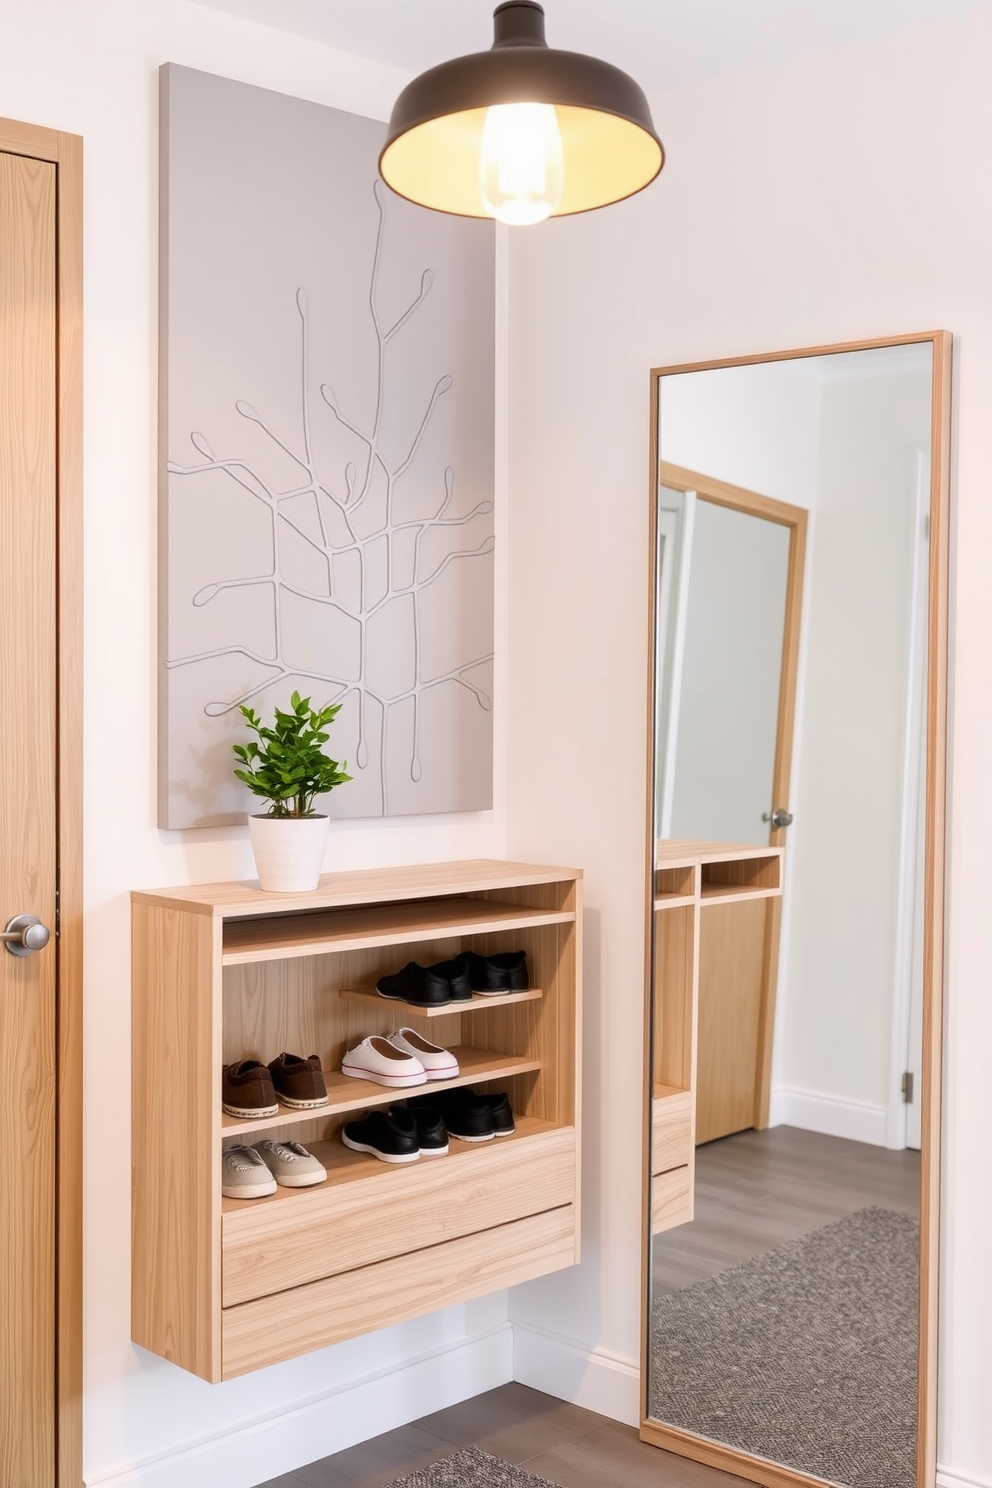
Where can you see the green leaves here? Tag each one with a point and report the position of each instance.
(286, 765)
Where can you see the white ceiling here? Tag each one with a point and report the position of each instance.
(663, 43)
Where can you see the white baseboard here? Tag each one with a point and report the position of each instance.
(588, 1377)
(948, 1479)
(268, 1448)
(855, 1120)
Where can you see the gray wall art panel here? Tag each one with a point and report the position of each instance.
(327, 458)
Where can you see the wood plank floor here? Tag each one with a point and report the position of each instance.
(563, 1443)
(756, 1190)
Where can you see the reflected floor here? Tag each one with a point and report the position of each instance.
(756, 1190)
(784, 1316)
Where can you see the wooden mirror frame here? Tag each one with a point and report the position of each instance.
(673, 1439)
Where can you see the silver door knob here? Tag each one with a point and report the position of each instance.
(779, 818)
(25, 934)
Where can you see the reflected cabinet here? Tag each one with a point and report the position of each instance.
(701, 893)
(794, 895)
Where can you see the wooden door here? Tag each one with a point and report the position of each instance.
(738, 943)
(28, 795)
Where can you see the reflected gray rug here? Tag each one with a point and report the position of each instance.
(471, 1469)
(806, 1355)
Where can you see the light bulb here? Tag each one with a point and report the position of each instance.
(521, 169)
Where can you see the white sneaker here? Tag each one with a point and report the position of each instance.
(378, 1060)
(439, 1064)
(244, 1175)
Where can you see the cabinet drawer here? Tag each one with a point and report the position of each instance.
(339, 1307)
(671, 1200)
(670, 1132)
(368, 1211)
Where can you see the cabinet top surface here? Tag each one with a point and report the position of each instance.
(685, 853)
(359, 886)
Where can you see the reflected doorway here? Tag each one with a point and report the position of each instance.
(730, 600)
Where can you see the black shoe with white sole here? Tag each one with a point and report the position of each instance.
(391, 1135)
(466, 1115)
(506, 971)
(428, 986)
(502, 1113)
(432, 1134)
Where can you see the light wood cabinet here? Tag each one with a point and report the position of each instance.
(697, 886)
(224, 972)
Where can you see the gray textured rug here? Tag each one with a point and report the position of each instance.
(806, 1355)
(471, 1469)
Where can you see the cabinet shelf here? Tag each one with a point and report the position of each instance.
(475, 1003)
(345, 1166)
(666, 1092)
(674, 884)
(731, 893)
(694, 942)
(336, 930)
(346, 1094)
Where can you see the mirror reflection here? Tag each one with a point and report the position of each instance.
(791, 623)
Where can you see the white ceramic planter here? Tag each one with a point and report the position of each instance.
(289, 851)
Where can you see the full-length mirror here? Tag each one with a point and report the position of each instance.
(794, 906)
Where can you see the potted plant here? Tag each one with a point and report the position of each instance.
(286, 766)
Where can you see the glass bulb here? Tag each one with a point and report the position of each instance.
(521, 169)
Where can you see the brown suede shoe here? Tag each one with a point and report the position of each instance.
(247, 1089)
(299, 1082)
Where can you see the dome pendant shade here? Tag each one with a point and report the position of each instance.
(471, 137)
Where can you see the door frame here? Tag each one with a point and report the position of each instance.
(65, 152)
(796, 521)
(903, 1059)
(772, 1475)
(670, 654)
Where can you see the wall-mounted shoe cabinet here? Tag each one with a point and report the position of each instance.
(706, 898)
(224, 972)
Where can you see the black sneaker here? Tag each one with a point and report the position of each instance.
(428, 986)
(504, 972)
(391, 1135)
(467, 1116)
(502, 1113)
(432, 1134)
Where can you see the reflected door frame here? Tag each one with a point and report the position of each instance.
(685, 1444)
(796, 520)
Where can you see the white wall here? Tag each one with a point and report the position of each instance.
(757, 427)
(90, 66)
(839, 970)
(836, 197)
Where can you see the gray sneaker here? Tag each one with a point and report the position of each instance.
(244, 1175)
(291, 1164)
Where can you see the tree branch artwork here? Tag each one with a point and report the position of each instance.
(369, 553)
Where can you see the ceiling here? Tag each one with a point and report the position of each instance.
(663, 43)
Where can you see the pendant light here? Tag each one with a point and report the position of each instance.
(521, 132)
